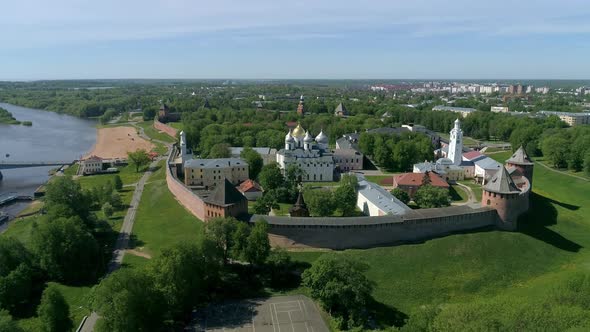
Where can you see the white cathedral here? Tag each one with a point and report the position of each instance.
(312, 155)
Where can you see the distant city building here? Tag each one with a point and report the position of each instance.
(311, 155)
(571, 118)
(212, 172)
(301, 107)
(499, 109)
(465, 111)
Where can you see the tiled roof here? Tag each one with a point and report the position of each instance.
(471, 155)
(417, 179)
(520, 158)
(249, 185)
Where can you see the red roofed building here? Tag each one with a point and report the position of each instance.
(411, 182)
(471, 155)
(250, 189)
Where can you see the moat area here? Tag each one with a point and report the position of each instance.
(52, 137)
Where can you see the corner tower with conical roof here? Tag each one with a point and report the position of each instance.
(521, 161)
(509, 200)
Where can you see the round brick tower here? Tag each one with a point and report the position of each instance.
(521, 161)
(502, 194)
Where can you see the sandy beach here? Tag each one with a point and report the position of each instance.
(115, 142)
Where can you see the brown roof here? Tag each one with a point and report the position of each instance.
(417, 179)
(225, 194)
(520, 158)
(249, 185)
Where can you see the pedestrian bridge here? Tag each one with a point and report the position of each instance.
(28, 164)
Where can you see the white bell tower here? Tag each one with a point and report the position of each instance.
(456, 144)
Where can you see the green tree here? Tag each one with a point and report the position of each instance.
(15, 287)
(341, 287)
(268, 201)
(587, 163)
(127, 300)
(219, 150)
(271, 177)
(401, 195)
(53, 311)
(66, 192)
(220, 231)
(7, 324)
(240, 241)
(139, 158)
(107, 209)
(320, 202)
(116, 201)
(254, 161)
(345, 199)
(258, 245)
(184, 274)
(555, 149)
(432, 197)
(118, 182)
(279, 265)
(65, 250)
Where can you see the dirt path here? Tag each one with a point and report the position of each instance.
(562, 172)
(138, 253)
(470, 195)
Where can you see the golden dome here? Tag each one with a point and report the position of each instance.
(298, 131)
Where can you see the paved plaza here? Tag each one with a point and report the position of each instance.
(277, 314)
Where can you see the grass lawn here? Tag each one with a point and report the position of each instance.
(458, 194)
(483, 267)
(467, 141)
(151, 132)
(72, 170)
(176, 125)
(501, 157)
(134, 261)
(127, 173)
(284, 209)
(322, 184)
(161, 221)
(378, 178)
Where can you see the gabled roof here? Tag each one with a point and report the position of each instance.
(471, 155)
(520, 158)
(417, 179)
(225, 194)
(502, 183)
(249, 185)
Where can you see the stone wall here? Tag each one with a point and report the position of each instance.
(366, 232)
(183, 195)
(165, 128)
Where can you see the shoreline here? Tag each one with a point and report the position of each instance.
(116, 142)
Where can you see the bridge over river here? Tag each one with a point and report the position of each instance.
(28, 164)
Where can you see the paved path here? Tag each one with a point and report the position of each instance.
(125, 233)
(562, 172)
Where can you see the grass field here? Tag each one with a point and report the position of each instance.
(476, 188)
(488, 268)
(151, 132)
(467, 141)
(378, 178)
(161, 221)
(176, 125)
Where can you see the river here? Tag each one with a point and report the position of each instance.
(53, 137)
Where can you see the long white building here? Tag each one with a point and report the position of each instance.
(312, 155)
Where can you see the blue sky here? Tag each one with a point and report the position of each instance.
(294, 39)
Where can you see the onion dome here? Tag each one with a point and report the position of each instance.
(321, 137)
(289, 137)
(299, 131)
(307, 137)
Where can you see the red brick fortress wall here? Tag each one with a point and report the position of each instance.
(165, 128)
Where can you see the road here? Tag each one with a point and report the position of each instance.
(126, 229)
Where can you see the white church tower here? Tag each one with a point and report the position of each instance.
(182, 147)
(456, 144)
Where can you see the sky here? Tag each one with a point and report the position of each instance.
(305, 39)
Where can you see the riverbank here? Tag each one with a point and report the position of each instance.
(116, 142)
(7, 118)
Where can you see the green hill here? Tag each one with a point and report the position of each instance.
(510, 280)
